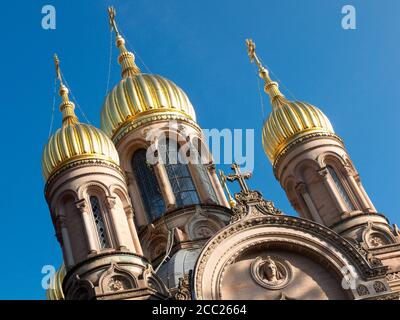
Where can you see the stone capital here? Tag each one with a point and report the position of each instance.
(111, 202)
(323, 173)
(130, 212)
(301, 187)
(82, 205)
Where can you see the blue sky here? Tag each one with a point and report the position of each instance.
(352, 75)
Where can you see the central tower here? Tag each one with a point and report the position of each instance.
(176, 194)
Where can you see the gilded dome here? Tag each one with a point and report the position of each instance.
(55, 291)
(140, 94)
(140, 97)
(74, 140)
(290, 121)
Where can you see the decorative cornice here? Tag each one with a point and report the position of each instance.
(144, 119)
(83, 163)
(299, 140)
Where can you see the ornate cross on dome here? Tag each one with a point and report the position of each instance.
(126, 58)
(113, 24)
(240, 177)
(271, 87)
(251, 51)
(57, 64)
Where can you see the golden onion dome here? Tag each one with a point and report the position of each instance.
(74, 140)
(55, 291)
(138, 95)
(289, 120)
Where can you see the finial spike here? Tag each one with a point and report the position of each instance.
(126, 58)
(271, 87)
(67, 107)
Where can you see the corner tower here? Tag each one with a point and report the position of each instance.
(92, 215)
(314, 168)
(177, 197)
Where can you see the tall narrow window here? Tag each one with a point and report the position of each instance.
(99, 221)
(147, 182)
(342, 191)
(179, 175)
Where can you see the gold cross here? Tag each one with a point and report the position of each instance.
(240, 177)
(251, 51)
(58, 72)
(113, 24)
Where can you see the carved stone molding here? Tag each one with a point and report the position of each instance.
(184, 289)
(362, 290)
(250, 204)
(393, 276)
(78, 163)
(116, 279)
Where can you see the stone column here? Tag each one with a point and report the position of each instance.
(217, 185)
(331, 187)
(141, 217)
(371, 205)
(165, 185)
(66, 243)
(132, 228)
(87, 225)
(111, 206)
(358, 193)
(302, 189)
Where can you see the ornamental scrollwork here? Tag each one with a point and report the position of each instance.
(184, 291)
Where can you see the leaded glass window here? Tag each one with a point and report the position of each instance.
(179, 175)
(99, 221)
(342, 191)
(148, 185)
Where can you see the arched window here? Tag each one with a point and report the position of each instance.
(99, 221)
(148, 186)
(342, 191)
(178, 174)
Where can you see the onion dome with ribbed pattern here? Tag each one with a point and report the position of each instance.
(289, 120)
(74, 140)
(140, 97)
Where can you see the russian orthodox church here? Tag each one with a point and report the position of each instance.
(130, 228)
